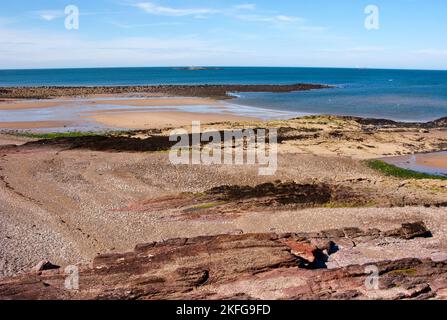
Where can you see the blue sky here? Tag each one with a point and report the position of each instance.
(325, 33)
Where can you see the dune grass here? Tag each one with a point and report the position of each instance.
(394, 171)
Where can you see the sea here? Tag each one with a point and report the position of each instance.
(402, 95)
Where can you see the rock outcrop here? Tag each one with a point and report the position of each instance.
(246, 266)
(216, 91)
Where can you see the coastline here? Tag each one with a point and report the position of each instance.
(115, 100)
(217, 156)
(115, 112)
(161, 119)
(209, 91)
(128, 107)
(119, 191)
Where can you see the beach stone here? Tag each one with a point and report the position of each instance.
(302, 249)
(236, 232)
(45, 265)
(326, 246)
(410, 231)
(345, 244)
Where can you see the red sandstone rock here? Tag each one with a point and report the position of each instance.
(247, 266)
(302, 249)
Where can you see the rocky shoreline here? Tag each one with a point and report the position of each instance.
(211, 91)
(285, 266)
(73, 200)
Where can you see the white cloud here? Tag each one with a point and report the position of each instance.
(274, 19)
(145, 25)
(287, 18)
(365, 49)
(64, 49)
(357, 50)
(245, 6)
(49, 15)
(234, 12)
(312, 28)
(432, 52)
(151, 8)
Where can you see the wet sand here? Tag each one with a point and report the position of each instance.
(122, 101)
(35, 124)
(161, 119)
(117, 112)
(434, 160)
(33, 104)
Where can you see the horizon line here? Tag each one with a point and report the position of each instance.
(217, 66)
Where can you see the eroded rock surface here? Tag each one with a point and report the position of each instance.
(246, 266)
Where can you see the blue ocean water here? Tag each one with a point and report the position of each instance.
(405, 95)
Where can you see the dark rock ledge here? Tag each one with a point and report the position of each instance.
(213, 91)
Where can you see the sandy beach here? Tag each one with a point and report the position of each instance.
(67, 200)
(36, 104)
(217, 156)
(142, 113)
(83, 199)
(29, 125)
(116, 108)
(161, 120)
(109, 100)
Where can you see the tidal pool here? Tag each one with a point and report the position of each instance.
(432, 163)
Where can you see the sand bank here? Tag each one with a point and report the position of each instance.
(119, 112)
(20, 125)
(32, 104)
(161, 119)
(160, 101)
